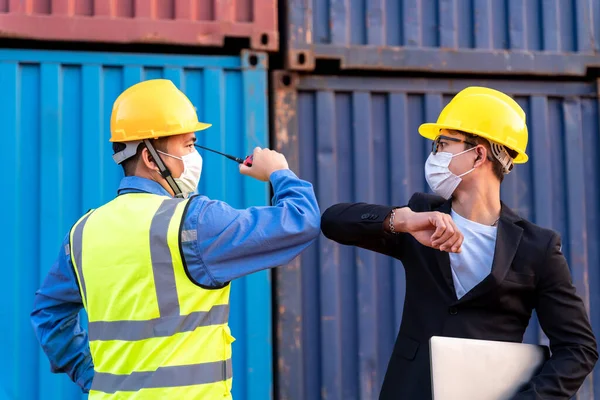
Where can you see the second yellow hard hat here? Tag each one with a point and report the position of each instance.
(487, 113)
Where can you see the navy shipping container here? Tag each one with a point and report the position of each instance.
(550, 37)
(56, 110)
(338, 307)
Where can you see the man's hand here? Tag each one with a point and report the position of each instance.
(264, 163)
(432, 229)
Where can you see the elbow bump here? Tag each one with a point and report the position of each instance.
(315, 227)
(327, 214)
(329, 221)
(312, 221)
(306, 223)
(327, 227)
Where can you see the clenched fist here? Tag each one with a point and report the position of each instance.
(432, 229)
(264, 163)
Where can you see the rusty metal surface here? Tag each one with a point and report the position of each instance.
(185, 22)
(461, 36)
(355, 138)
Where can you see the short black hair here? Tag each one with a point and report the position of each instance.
(130, 164)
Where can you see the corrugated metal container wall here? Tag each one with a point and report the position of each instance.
(56, 112)
(487, 36)
(339, 308)
(186, 22)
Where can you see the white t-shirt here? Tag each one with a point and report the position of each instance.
(474, 262)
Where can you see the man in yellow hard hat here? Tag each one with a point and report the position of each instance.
(474, 268)
(152, 267)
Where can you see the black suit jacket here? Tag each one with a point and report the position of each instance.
(528, 272)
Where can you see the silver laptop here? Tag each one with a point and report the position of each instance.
(464, 369)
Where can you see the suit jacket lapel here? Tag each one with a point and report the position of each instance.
(507, 243)
(443, 259)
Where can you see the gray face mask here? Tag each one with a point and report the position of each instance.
(438, 175)
(192, 169)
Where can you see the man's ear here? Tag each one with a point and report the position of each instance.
(481, 153)
(148, 160)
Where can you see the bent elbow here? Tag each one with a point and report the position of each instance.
(593, 357)
(314, 227)
(313, 224)
(591, 352)
(327, 230)
(302, 224)
(587, 355)
(328, 223)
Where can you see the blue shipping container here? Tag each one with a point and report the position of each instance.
(550, 37)
(339, 308)
(56, 123)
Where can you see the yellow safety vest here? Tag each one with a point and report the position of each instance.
(153, 333)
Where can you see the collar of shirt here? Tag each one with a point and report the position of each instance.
(135, 184)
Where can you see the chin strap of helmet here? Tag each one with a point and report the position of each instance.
(162, 168)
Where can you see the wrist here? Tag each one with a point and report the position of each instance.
(274, 174)
(276, 170)
(401, 216)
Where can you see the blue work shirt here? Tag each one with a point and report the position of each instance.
(230, 244)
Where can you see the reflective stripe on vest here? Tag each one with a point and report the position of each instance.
(185, 375)
(150, 327)
(139, 330)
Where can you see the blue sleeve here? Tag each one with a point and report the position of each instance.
(55, 319)
(231, 243)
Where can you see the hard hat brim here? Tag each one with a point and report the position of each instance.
(431, 131)
(200, 126)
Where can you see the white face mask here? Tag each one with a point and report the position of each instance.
(439, 177)
(192, 169)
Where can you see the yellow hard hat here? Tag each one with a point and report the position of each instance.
(487, 113)
(150, 110)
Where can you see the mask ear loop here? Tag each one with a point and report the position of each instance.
(465, 173)
(162, 168)
(461, 153)
(169, 155)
